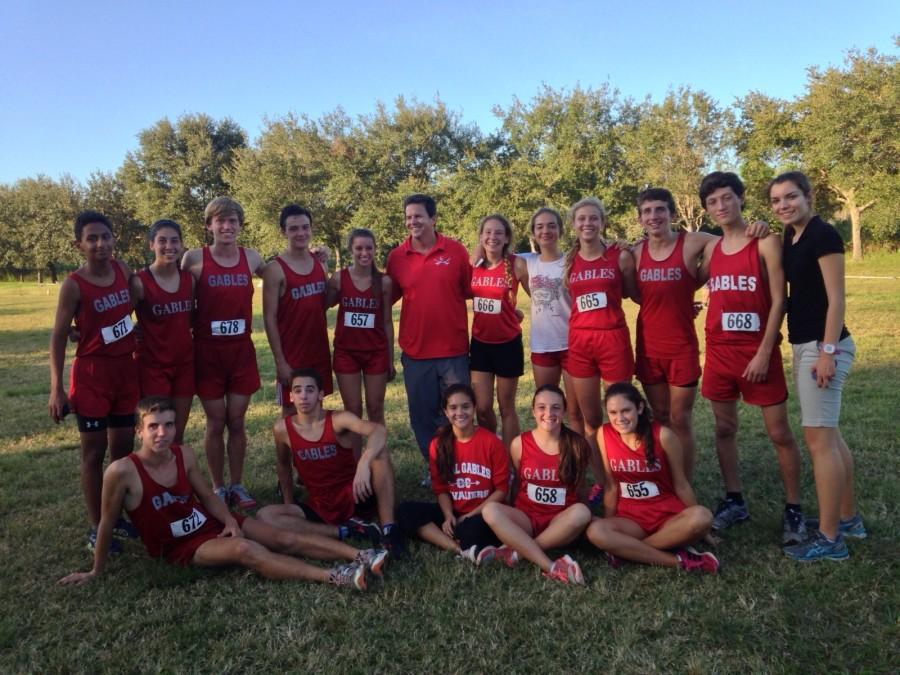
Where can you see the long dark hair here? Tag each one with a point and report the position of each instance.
(574, 451)
(445, 455)
(361, 232)
(645, 416)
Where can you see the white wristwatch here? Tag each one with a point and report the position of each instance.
(829, 348)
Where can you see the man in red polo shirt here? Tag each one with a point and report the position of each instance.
(433, 276)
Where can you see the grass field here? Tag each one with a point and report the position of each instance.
(761, 613)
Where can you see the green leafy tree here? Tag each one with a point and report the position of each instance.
(105, 192)
(179, 168)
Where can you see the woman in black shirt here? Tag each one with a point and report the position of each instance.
(823, 351)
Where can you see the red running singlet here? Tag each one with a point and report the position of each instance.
(360, 318)
(224, 300)
(301, 317)
(171, 518)
(165, 318)
(646, 493)
(596, 290)
(327, 469)
(665, 322)
(493, 303)
(739, 300)
(104, 316)
(542, 496)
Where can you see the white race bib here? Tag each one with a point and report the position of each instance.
(228, 327)
(641, 490)
(591, 301)
(551, 496)
(186, 526)
(359, 320)
(118, 330)
(486, 305)
(745, 322)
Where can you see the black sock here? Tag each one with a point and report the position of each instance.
(792, 507)
(736, 497)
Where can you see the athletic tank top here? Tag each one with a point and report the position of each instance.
(326, 469)
(168, 516)
(224, 300)
(638, 482)
(165, 318)
(665, 322)
(596, 290)
(360, 319)
(301, 316)
(493, 303)
(739, 299)
(104, 316)
(550, 304)
(541, 493)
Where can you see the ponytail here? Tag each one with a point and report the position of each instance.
(574, 451)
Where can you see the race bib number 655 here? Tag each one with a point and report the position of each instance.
(641, 490)
(185, 526)
(552, 496)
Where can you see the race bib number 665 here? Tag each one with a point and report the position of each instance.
(591, 301)
(185, 526)
(552, 496)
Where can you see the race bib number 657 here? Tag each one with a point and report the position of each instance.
(185, 526)
(359, 320)
(552, 496)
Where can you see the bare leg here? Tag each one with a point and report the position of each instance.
(688, 527)
(182, 412)
(658, 398)
(93, 451)
(848, 497)
(726, 443)
(576, 418)
(830, 474)
(350, 386)
(587, 392)
(625, 538)
(291, 517)
(383, 486)
(375, 388)
(214, 439)
(246, 553)
(121, 441)
(682, 420)
(436, 537)
(506, 401)
(513, 528)
(776, 421)
(483, 385)
(292, 543)
(237, 434)
(565, 528)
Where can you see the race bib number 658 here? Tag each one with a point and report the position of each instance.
(552, 496)
(185, 526)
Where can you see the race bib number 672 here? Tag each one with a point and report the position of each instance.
(185, 526)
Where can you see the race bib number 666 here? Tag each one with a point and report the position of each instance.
(552, 496)
(185, 526)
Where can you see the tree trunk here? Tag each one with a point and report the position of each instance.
(52, 272)
(40, 276)
(855, 229)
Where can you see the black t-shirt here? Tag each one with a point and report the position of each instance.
(807, 301)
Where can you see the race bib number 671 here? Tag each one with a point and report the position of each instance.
(551, 496)
(185, 526)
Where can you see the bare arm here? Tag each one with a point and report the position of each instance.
(283, 464)
(136, 290)
(333, 289)
(515, 457)
(610, 487)
(672, 447)
(192, 261)
(521, 271)
(629, 275)
(255, 262)
(273, 288)
(770, 252)
(69, 296)
(214, 506)
(376, 439)
(115, 486)
(387, 291)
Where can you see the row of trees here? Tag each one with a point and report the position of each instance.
(554, 149)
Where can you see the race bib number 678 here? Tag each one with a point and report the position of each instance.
(551, 496)
(185, 526)
(224, 327)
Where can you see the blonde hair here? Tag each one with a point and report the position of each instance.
(504, 254)
(223, 206)
(580, 204)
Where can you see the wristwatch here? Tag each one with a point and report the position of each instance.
(829, 348)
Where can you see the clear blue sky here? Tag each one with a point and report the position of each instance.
(79, 80)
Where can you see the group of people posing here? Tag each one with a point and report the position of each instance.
(501, 495)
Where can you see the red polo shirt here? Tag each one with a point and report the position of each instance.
(434, 287)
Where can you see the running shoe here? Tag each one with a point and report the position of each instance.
(852, 528)
(595, 496)
(817, 548)
(504, 554)
(374, 559)
(353, 574)
(729, 513)
(241, 498)
(560, 571)
(114, 546)
(691, 560)
(223, 494)
(124, 528)
(793, 527)
(363, 529)
(469, 554)
(574, 571)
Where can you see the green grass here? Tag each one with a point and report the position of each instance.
(762, 613)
